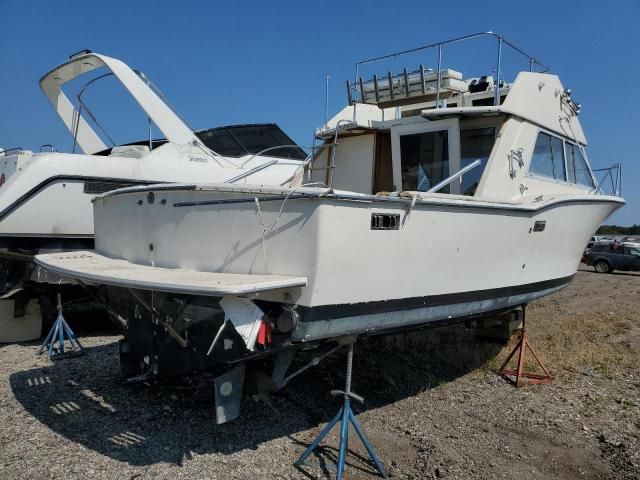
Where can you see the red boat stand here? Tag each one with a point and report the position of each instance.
(518, 376)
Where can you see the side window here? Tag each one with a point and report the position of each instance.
(548, 157)
(475, 144)
(578, 169)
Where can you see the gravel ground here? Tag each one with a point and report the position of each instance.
(434, 407)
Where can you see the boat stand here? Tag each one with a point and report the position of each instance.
(518, 376)
(344, 416)
(54, 343)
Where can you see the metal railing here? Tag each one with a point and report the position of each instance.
(260, 167)
(355, 91)
(82, 106)
(269, 149)
(10, 151)
(615, 179)
(251, 171)
(455, 176)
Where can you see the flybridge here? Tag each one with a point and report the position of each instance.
(497, 88)
(428, 84)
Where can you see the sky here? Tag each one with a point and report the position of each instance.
(229, 62)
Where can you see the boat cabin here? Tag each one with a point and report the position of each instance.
(411, 131)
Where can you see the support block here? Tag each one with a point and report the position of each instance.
(498, 327)
(20, 317)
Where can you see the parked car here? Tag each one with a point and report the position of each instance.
(607, 257)
(597, 239)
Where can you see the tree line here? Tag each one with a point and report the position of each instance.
(618, 230)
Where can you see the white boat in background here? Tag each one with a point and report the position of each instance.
(45, 197)
(435, 198)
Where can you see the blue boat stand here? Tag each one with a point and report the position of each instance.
(345, 416)
(54, 342)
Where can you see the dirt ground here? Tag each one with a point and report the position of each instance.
(434, 407)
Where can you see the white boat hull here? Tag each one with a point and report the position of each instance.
(448, 259)
(48, 197)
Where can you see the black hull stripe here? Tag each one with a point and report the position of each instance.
(58, 178)
(329, 312)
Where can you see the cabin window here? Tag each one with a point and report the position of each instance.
(475, 144)
(424, 160)
(577, 168)
(548, 157)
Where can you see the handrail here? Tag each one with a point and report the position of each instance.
(455, 176)
(332, 165)
(93, 118)
(616, 184)
(160, 94)
(6, 151)
(251, 171)
(451, 41)
(440, 45)
(268, 150)
(47, 145)
(196, 141)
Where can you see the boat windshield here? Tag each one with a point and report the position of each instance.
(240, 140)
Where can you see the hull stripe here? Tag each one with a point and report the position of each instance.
(328, 312)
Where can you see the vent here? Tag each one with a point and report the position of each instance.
(385, 221)
(539, 226)
(102, 186)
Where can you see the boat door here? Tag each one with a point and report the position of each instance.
(424, 154)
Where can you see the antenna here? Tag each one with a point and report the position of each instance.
(326, 99)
